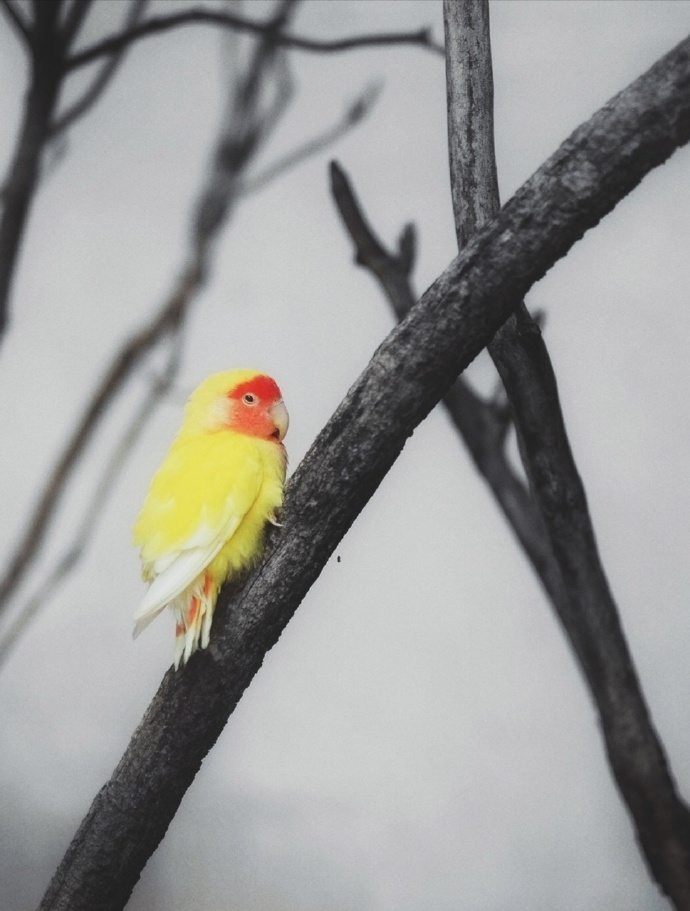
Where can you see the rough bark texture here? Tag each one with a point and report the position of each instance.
(483, 425)
(414, 366)
(584, 602)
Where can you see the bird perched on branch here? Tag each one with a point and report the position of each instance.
(205, 514)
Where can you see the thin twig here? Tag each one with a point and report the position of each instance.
(420, 38)
(101, 80)
(77, 549)
(76, 15)
(355, 113)
(250, 119)
(131, 353)
(18, 22)
(586, 606)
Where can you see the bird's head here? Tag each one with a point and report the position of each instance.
(241, 400)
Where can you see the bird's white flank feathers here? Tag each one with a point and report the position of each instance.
(173, 573)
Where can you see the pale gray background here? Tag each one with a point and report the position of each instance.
(419, 737)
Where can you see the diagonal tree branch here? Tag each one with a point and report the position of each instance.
(585, 604)
(481, 424)
(601, 162)
(110, 474)
(199, 16)
(127, 359)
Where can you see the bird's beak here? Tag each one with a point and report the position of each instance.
(281, 419)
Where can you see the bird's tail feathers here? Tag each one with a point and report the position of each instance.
(193, 615)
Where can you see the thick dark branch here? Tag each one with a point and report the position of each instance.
(102, 78)
(588, 612)
(158, 24)
(412, 369)
(20, 185)
(479, 422)
(17, 20)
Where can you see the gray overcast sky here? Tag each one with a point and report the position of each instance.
(419, 737)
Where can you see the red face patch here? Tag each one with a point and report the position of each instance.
(265, 388)
(250, 404)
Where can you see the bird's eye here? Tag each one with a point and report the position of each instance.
(249, 399)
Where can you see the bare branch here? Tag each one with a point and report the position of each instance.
(102, 79)
(17, 21)
(199, 16)
(110, 474)
(588, 611)
(352, 117)
(74, 19)
(481, 424)
(240, 136)
(20, 185)
(249, 123)
(408, 374)
(166, 321)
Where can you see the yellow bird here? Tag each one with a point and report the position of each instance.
(205, 514)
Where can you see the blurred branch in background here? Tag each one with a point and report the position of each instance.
(583, 601)
(74, 16)
(159, 388)
(408, 374)
(102, 78)
(17, 20)
(259, 93)
(49, 39)
(359, 109)
(199, 16)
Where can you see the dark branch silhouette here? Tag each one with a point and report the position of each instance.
(47, 41)
(72, 554)
(17, 21)
(102, 79)
(166, 321)
(584, 602)
(199, 16)
(46, 73)
(483, 425)
(354, 114)
(411, 370)
(50, 46)
(74, 19)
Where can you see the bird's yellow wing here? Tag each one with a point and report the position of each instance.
(196, 502)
